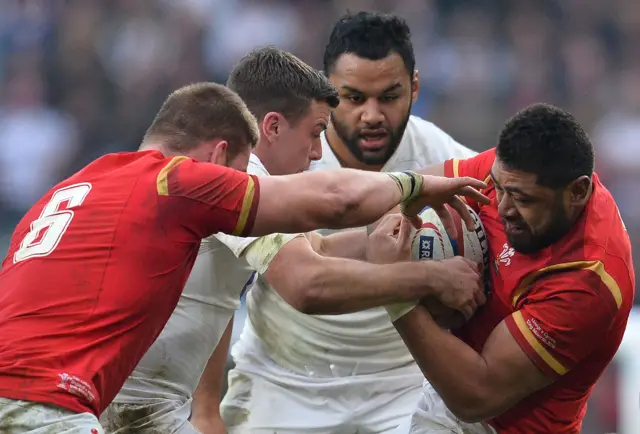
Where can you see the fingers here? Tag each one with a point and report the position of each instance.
(467, 311)
(447, 220)
(415, 221)
(462, 209)
(389, 224)
(473, 194)
(465, 181)
(405, 232)
(481, 299)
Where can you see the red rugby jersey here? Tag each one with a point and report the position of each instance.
(567, 305)
(96, 267)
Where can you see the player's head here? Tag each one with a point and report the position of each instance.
(292, 102)
(542, 175)
(205, 121)
(369, 58)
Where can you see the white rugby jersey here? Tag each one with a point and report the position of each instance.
(173, 365)
(341, 345)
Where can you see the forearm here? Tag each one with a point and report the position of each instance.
(456, 371)
(338, 286)
(333, 199)
(350, 244)
(206, 398)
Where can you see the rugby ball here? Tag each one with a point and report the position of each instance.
(432, 242)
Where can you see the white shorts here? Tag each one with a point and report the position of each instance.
(28, 417)
(167, 417)
(432, 416)
(266, 399)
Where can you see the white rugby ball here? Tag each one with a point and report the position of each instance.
(433, 242)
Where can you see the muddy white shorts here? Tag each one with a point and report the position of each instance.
(432, 416)
(165, 416)
(28, 417)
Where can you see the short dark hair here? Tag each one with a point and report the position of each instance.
(370, 35)
(549, 142)
(200, 112)
(272, 80)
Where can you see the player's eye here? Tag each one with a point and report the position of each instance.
(523, 200)
(356, 99)
(389, 98)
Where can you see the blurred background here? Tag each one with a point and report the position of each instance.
(80, 78)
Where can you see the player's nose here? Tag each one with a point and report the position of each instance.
(371, 114)
(315, 153)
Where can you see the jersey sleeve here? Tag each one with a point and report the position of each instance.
(207, 198)
(258, 252)
(478, 167)
(564, 318)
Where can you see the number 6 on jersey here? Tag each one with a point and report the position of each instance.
(46, 232)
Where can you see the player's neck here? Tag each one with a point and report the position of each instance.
(344, 155)
(263, 155)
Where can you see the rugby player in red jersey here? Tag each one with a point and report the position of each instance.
(96, 267)
(563, 286)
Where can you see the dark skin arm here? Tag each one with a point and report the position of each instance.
(475, 387)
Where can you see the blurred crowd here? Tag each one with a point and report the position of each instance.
(79, 78)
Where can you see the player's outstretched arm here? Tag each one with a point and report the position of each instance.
(344, 198)
(324, 285)
(205, 414)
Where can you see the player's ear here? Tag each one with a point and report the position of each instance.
(579, 190)
(415, 86)
(271, 126)
(219, 153)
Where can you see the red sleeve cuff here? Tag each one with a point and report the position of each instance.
(249, 208)
(451, 168)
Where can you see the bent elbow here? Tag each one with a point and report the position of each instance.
(302, 289)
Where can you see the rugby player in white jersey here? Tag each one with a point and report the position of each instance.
(349, 373)
(293, 103)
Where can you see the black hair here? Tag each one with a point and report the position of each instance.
(370, 35)
(549, 142)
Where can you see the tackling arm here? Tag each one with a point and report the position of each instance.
(323, 285)
(337, 199)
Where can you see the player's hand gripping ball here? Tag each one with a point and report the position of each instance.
(432, 242)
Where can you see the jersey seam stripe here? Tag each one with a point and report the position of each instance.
(456, 168)
(247, 202)
(594, 266)
(536, 345)
(162, 181)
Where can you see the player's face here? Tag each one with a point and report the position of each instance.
(534, 216)
(297, 145)
(375, 104)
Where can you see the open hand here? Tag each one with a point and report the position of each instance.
(437, 191)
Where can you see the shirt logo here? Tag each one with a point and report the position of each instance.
(504, 257)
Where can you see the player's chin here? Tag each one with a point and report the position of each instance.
(377, 156)
(445, 317)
